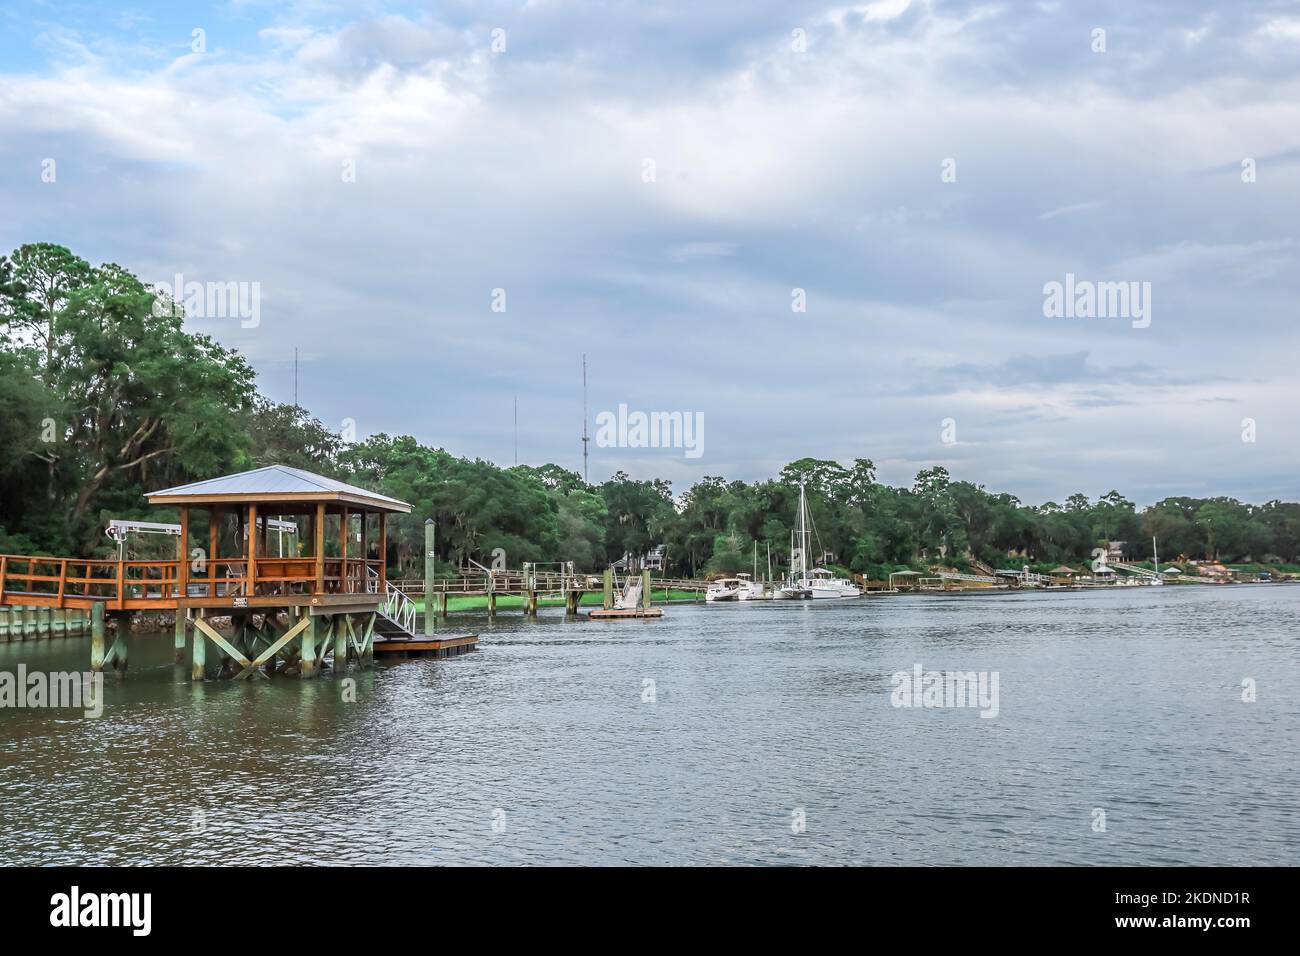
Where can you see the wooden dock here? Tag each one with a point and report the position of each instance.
(619, 613)
(393, 645)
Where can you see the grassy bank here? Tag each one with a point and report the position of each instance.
(479, 602)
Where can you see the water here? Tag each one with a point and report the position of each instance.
(1126, 701)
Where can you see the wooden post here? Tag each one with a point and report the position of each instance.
(363, 552)
(341, 625)
(318, 531)
(430, 531)
(492, 595)
(42, 622)
(307, 658)
(117, 652)
(344, 586)
(383, 551)
(180, 637)
(609, 589)
(182, 555)
(251, 568)
(199, 665)
(214, 519)
(121, 585)
(63, 579)
(645, 589)
(97, 636)
(530, 606)
(442, 604)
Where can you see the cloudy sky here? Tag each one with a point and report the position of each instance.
(650, 182)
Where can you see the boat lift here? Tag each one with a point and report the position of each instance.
(118, 529)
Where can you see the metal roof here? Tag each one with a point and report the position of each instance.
(278, 482)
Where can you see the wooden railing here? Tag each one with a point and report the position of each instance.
(124, 584)
(517, 582)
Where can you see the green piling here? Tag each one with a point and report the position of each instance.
(430, 531)
(97, 637)
(200, 658)
(180, 638)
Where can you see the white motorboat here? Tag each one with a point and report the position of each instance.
(726, 589)
(824, 584)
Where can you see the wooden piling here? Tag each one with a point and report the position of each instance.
(307, 657)
(342, 625)
(429, 552)
(645, 589)
(97, 637)
(179, 656)
(609, 589)
(117, 654)
(199, 653)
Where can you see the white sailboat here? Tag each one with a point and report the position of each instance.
(820, 583)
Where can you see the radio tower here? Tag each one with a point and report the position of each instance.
(585, 439)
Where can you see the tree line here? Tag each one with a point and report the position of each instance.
(106, 396)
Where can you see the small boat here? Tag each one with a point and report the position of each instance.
(750, 590)
(726, 589)
(791, 592)
(824, 584)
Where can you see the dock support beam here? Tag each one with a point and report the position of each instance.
(97, 637)
(342, 626)
(117, 652)
(609, 589)
(571, 601)
(307, 660)
(645, 589)
(492, 600)
(180, 638)
(442, 604)
(199, 665)
(530, 604)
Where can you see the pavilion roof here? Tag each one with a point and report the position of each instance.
(275, 483)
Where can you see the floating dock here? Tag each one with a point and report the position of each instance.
(615, 613)
(400, 646)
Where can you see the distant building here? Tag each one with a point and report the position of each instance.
(1115, 550)
(652, 560)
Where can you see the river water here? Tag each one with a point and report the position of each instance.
(768, 736)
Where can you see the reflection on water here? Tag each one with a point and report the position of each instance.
(1125, 701)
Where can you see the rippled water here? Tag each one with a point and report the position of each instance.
(1127, 701)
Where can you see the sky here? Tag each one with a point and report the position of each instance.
(444, 206)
